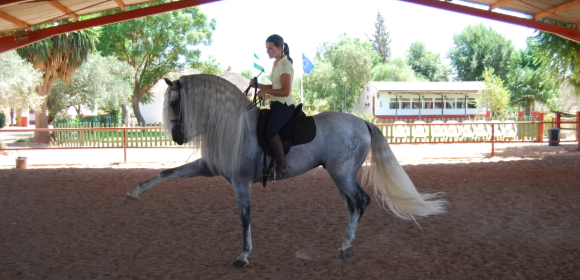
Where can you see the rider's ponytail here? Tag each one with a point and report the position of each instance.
(287, 52)
(278, 41)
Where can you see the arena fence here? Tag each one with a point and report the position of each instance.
(93, 136)
(131, 135)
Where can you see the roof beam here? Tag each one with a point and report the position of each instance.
(562, 31)
(121, 5)
(8, 43)
(64, 9)
(499, 4)
(14, 20)
(556, 9)
(10, 2)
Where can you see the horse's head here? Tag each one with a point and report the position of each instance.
(173, 107)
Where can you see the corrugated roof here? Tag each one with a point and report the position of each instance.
(433, 87)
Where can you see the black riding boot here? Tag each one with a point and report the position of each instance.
(278, 151)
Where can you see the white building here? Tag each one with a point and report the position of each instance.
(416, 100)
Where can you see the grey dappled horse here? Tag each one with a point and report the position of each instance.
(211, 113)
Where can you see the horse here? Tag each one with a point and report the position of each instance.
(214, 116)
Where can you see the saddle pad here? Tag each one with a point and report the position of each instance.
(300, 129)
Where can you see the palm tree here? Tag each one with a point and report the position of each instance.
(529, 86)
(57, 57)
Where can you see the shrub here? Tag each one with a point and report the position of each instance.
(2, 119)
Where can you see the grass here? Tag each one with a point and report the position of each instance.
(25, 139)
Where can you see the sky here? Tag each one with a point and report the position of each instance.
(243, 26)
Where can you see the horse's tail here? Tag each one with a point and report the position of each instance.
(393, 186)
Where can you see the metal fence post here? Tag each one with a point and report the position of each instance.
(125, 144)
(541, 127)
(492, 139)
(578, 128)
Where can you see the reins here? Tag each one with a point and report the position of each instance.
(256, 100)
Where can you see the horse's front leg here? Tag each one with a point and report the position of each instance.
(192, 169)
(242, 190)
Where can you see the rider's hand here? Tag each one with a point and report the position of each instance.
(252, 83)
(261, 93)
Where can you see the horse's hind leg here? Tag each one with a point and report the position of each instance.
(356, 201)
(193, 169)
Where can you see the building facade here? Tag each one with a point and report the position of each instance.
(416, 100)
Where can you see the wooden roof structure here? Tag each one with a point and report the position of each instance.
(18, 17)
(563, 11)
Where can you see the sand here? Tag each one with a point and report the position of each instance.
(508, 218)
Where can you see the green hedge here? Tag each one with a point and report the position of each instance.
(107, 119)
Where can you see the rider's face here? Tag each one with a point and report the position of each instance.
(273, 51)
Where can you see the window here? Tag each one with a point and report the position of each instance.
(428, 103)
(393, 104)
(471, 103)
(449, 103)
(367, 97)
(416, 104)
(438, 103)
(405, 103)
(460, 104)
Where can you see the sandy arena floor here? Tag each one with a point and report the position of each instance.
(509, 218)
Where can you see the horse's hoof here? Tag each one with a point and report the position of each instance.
(345, 254)
(240, 263)
(129, 199)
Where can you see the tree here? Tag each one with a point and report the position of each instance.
(477, 48)
(318, 93)
(103, 82)
(397, 70)
(18, 81)
(247, 73)
(56, 58)
(426, 63)
(528, 84)
(559, 57)
(157, 45)
(381, 39)
(495, 95)
(349, 57)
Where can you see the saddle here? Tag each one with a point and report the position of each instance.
(300, 129)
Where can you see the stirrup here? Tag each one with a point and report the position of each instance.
(273, 174)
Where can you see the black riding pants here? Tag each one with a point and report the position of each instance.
(281, 114)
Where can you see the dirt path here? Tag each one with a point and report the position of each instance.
(512, 218)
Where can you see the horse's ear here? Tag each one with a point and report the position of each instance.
(168, 81)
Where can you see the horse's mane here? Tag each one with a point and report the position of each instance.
(215, 119)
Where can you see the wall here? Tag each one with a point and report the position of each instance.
(152, 112)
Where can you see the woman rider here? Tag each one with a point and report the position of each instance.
(281, 103)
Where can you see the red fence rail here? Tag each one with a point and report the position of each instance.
(492, 141)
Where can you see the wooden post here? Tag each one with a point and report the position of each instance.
(541, 127)
(521, 114)
(557, 120)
